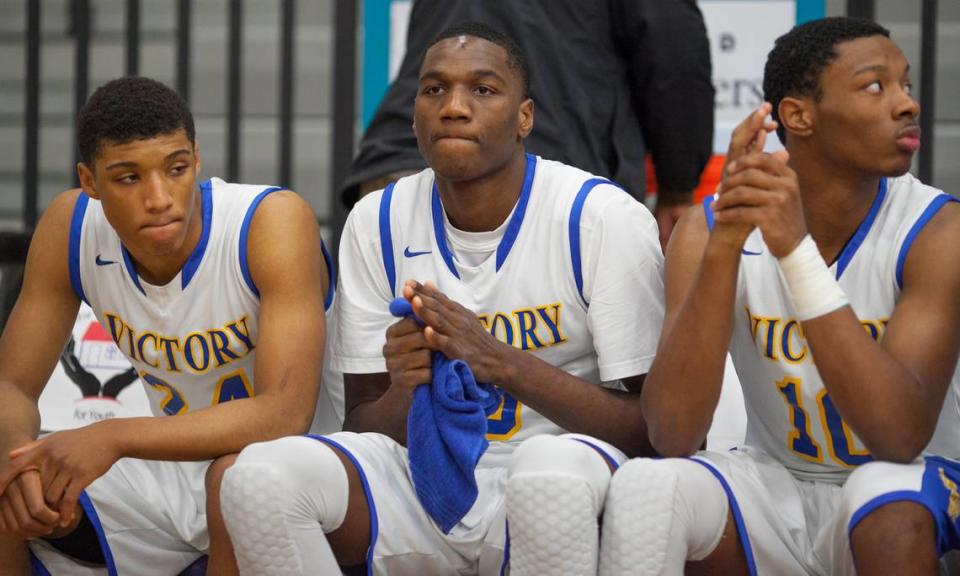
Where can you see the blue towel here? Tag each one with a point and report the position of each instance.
(446, 434)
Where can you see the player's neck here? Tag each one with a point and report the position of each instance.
(483, 204)
(835, 201)
(159, 270)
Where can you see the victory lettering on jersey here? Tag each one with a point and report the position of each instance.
(197, 352)
(782, 338)
(527, 328)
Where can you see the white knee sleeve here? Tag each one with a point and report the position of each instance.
(278, 500)
(659, 514)
(555, 493)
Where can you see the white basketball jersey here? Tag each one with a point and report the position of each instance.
(790, 415)
(532, 293)
(193, 340)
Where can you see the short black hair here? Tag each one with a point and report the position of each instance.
(798, 58)
(516, 59)
(128, 109)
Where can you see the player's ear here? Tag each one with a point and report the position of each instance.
(796, 116)
(85, 175)
(525, 117)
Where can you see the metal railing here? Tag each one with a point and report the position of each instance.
(343, 85)
(80, 29)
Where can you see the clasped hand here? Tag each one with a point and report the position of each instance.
(445, 326)
(759, 190)
(41, 485)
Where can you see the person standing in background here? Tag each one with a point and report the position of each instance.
(635, 78)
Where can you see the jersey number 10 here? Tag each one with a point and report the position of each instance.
(840, 440)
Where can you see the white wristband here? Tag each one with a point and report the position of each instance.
(814, 290)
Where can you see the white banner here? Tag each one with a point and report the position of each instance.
(742, 33)
(93, 381)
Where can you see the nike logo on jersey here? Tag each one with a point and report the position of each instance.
(750, 253)
(410, 254)
(102, 262)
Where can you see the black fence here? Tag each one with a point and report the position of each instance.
(344, 57)
(344, 81)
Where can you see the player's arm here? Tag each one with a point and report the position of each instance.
(683, 387)
(903, 378)
(382, 359)
(379, 402)
(32, 340)
(286, 263)
(570, 402)
(375, 404)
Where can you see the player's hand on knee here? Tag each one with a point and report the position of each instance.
(458, 333)
(761, 190)
(23, 512)
(68, 462)
(407, 355)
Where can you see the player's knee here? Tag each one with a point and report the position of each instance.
(643, 475)
(305, 476)
(867, 507)
(692, 497)
(866, 484)
(548, 456)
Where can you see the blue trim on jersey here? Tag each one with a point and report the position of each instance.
(935, 205)
(371, 505)
(36, 566)
(131, 268)
(386, 238)
(858, 237)
(934, 495)
(331, 277)
(506, 548)
(193, 262)
(244, 231)
(611, 462)
(708, 210)
(737, 516)
(76, 232)
(91, 513)
(436, 208)
(574, 231)
(513, 227)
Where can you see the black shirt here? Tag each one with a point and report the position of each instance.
(609, 79)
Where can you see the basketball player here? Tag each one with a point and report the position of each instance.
(544, 279)
(214, 292)
(829, 274)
